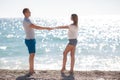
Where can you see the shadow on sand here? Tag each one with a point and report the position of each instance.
(24, 78)
(67, 77)
(29, 78)
(63, 77)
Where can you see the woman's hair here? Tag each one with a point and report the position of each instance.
(25, 10)
(74, 18)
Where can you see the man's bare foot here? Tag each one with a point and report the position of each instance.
(31, 71)
(29, 74)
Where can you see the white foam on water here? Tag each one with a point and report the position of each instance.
(10, 36)
(3, 47)
(97, 63)
(83, 63)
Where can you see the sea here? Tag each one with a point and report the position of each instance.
(98, 45)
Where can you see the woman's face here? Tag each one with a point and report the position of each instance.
(28, 13)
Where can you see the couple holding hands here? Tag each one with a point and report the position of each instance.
(30, 40)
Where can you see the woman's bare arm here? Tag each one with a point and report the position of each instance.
(61, 27)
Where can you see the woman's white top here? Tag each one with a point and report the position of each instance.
(72, 32)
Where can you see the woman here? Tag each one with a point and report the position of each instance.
(72, 36)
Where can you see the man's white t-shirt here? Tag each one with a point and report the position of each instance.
(30, 34)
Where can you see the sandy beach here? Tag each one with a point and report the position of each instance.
(57, 75)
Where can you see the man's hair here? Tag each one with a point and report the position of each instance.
(25, 10)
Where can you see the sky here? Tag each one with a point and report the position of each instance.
(59, 8)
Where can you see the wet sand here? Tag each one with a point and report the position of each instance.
(57, 75)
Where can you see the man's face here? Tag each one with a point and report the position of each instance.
(27, 13)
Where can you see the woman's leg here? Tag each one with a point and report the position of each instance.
(67, 49)
(72, 59)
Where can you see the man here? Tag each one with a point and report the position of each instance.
(30, 37)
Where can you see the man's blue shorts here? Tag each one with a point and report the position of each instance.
(30, 43)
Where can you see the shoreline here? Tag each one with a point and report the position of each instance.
(57, 75)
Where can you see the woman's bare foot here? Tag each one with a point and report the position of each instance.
(62, 70)
(71, 71)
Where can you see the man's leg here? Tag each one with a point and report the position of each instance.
(31, 63)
